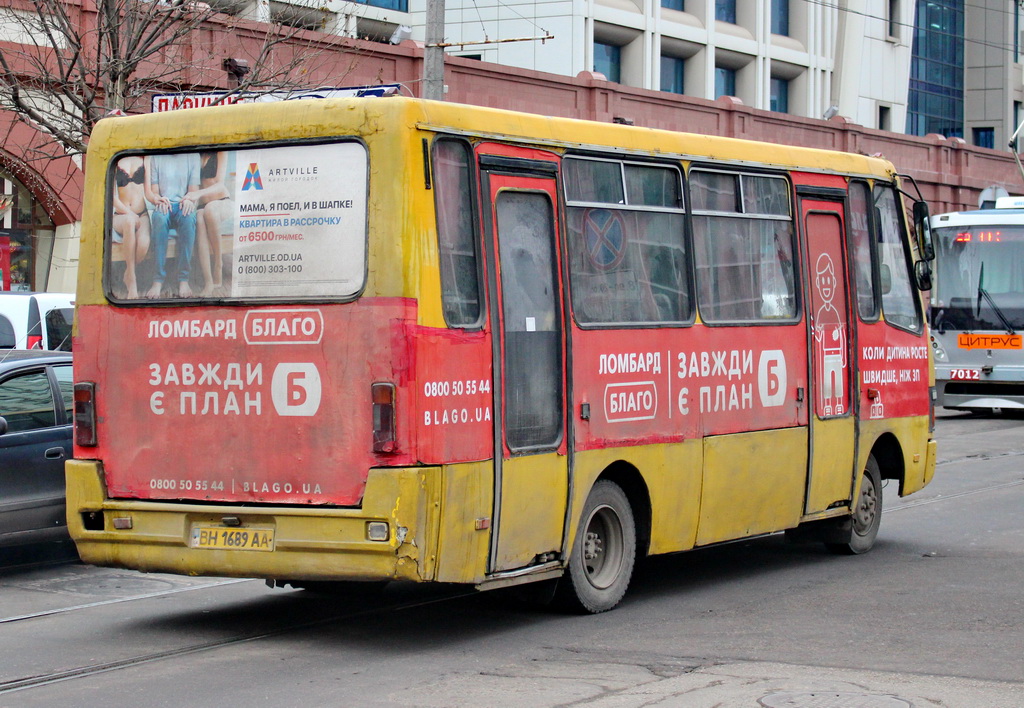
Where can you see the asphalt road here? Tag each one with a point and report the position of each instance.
(932, 617)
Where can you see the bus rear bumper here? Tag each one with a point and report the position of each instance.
(290, 543)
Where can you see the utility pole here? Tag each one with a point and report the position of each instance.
(433, 55)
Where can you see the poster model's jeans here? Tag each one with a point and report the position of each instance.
(185, 236)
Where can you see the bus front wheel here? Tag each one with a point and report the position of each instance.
(603, 554)
(867, 513)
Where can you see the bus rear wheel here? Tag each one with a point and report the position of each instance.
(603, 554)
(867, 513)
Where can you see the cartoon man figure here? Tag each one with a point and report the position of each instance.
(830, 339)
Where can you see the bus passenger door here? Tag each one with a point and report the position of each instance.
(531, 465)
(832, 423)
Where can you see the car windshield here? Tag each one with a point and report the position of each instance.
(980, 278)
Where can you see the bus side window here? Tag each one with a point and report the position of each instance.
(859, 225)
(626, 240)
(899, 304)
(743, 247)
(457, 235)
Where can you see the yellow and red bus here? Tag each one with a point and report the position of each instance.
(393, 339)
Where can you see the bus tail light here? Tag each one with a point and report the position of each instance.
(85, 414)
(383, 396)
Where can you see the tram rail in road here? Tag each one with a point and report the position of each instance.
(976, 447)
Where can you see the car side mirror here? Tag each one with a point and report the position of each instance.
(886, 278)
(3, 425)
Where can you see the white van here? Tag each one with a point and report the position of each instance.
(36, 320)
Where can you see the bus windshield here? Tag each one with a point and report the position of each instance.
(980, 283)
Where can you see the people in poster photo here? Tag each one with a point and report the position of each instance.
(172, 184)
(170, 212)
(216, 209)
(131, 218)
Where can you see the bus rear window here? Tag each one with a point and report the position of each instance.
(284, 222)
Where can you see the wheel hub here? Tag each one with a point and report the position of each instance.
(593, 546)
(866, 506)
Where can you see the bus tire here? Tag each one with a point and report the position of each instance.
(866, 516)
(603, 554)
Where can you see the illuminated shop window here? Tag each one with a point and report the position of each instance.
(26, 239)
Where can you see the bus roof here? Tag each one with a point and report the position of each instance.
(979, 217)
(319, 118)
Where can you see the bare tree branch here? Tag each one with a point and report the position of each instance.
(71, 66)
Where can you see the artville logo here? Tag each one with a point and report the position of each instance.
(252, 178)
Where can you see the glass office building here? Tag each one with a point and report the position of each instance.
(936, 97)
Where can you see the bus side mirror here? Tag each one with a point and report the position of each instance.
(923, 275)
(885, 275)
(923, 230)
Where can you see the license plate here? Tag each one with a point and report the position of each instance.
(241, 539)
(965, 374)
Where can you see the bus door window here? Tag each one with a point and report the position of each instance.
(532, 327)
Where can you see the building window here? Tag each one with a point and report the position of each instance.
(894, 18)
(26, 239)
(608, 61)
(1016, 122)
(399, 5)
(725, 81)
(779, 95)
(1016, 31)
(936, 97)
(780, 17)
(674, 4)
(985, 137)
(884, 119)
(672, 74)
(725, 11)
